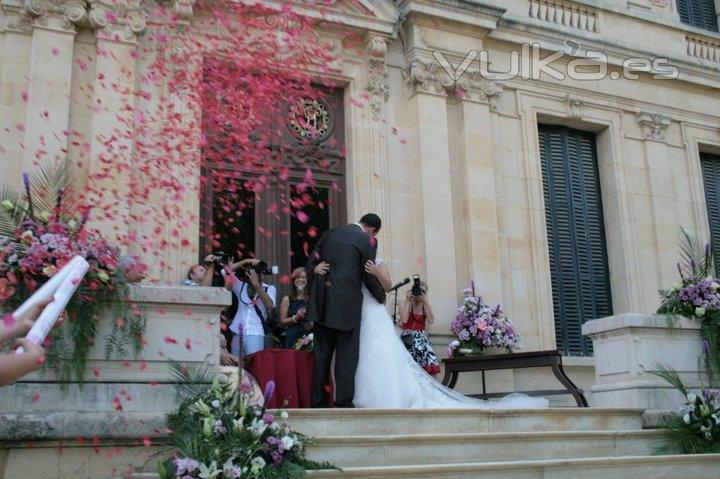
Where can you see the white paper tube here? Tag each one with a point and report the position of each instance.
(72, 278)
(46, 290)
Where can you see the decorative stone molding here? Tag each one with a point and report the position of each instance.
(565, 14)
(655, 124)
(377, 86)
(425, 77)
(574, 106)
(703, 48)
(123, 19)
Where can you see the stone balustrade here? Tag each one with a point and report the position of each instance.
(703, 48)
(565, 14)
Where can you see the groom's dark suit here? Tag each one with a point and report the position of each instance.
(335, 306)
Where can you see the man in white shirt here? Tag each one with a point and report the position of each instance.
(254, 298)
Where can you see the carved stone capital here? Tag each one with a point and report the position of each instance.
(472, 86)
(53, 14)
(183, 8)
(574, 106)
(120, 19)
(425, 77)
(654, 124)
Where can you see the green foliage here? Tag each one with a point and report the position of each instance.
(696, 258)
(696, 430)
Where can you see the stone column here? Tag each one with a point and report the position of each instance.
(478, 196)
(117, 25)
(434, 215)
(48, 92)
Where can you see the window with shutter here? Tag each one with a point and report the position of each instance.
(698, 13)
(576, 234)
(711, 179)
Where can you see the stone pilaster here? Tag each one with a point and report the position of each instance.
(117, 26)
(478, 195)
(368, 186)
(435, 221)
(35, 77)
(661, 189)
(48, 92)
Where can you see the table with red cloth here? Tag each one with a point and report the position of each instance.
(292, 371)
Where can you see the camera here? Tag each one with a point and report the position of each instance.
(417, 289)
(219, 258)
(260, 268)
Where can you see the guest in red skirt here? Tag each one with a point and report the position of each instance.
(415, 314)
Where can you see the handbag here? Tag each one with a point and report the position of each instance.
(408, 340)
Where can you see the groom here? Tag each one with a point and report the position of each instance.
(335, 304)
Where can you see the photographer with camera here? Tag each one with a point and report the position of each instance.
(256, 304)
(415, 314)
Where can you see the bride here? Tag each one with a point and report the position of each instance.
(388, 377)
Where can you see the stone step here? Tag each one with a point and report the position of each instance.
(368, 422)
(359, 451)
(631, 467)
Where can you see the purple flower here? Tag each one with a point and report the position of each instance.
(268, 418)
(185, 465)
(269, 391)
(219, 429)
(706, 347)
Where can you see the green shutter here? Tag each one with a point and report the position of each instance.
(711, 180)
(698, 13)
(576, 234)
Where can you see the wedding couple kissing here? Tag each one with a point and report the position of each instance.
(373, 369)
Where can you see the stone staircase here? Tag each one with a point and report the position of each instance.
(513, 444)
(562, 443)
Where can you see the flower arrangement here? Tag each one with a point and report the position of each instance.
(697, 295)
(479, 326)
(219, 433)
(40, 231)
(696, 428)
(305, 343)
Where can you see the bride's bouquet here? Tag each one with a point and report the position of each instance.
(479, 326)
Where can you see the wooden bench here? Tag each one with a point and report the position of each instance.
(454, 366)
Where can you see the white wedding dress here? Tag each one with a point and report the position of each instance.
(388, 377)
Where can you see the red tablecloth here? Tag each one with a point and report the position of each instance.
(292, 372)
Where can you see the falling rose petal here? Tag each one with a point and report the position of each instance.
(302, 217)
(170, 340)
(35, 398)
(147, 442)
(312, 232)
(96, 372)
(110, 16)
(188, 344)
(55, 51)
(24, 96)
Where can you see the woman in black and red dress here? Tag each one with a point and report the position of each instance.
(415, 314)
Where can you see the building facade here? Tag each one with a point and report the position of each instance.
(557, 187)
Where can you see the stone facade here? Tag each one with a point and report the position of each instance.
(463, 196)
